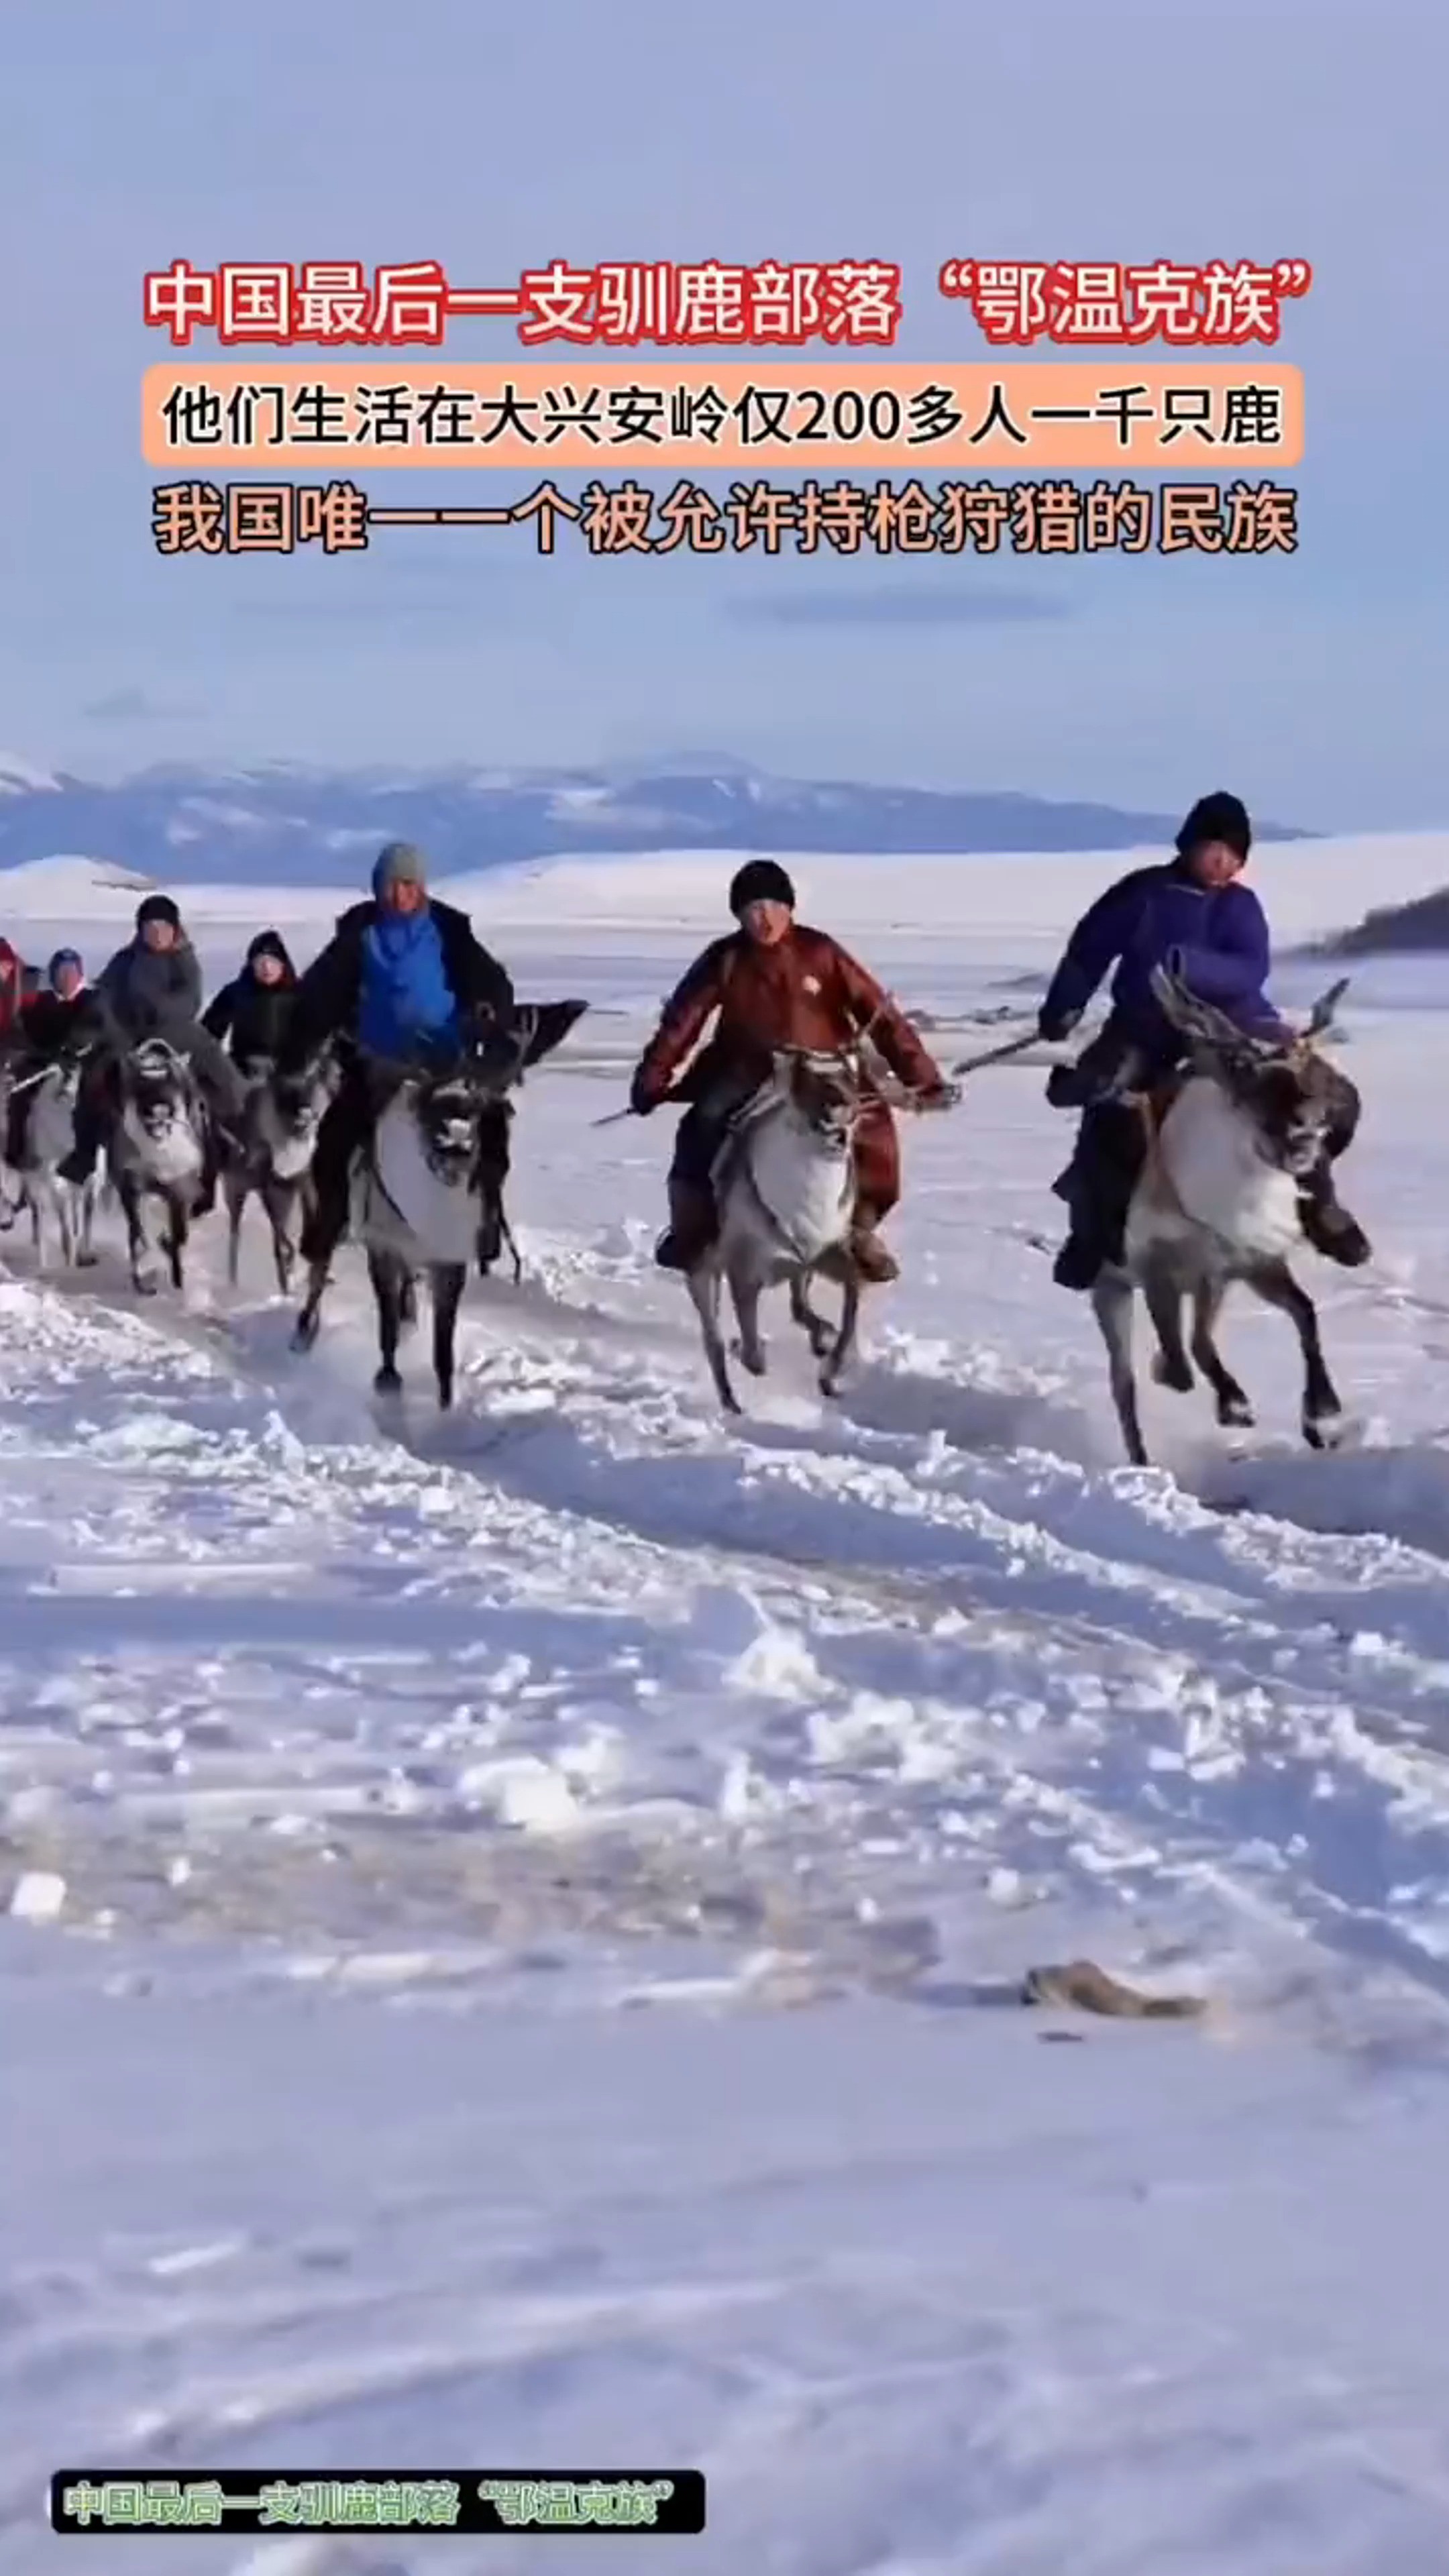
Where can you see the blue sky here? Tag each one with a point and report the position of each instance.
(495, 140)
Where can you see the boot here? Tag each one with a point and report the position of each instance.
(1078, 1262)
(1329, 1227)
(490, 1236)
(874, 1261)
(691, 1231)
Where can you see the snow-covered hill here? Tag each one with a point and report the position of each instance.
(288, 824)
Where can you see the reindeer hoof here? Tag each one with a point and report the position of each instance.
(445, 1399)
(829, 1385)
(1235, 1413)
(754, 1361)
(387, 1382)
(1323, 1431)
(1173, 1373)
(145, 1282)
(306, 1330)
(86, 1260)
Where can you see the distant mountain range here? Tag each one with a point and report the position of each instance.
(284, 823)
(1397, 929)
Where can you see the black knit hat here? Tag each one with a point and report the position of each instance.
(1218, 817)
(157, 907)
(761, 881)
(269, 943)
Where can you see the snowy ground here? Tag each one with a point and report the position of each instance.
(449, 1814)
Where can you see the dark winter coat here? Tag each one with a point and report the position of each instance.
(1214, 939)
(330, 992)
(152, 993)
(51, 1027)
(253, 1018)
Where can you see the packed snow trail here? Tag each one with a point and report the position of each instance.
(895, 1689)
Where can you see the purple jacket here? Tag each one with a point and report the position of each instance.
(1215, 939)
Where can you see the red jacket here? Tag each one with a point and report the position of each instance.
(807, 992)
(10, 973)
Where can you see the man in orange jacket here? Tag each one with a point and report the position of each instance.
(773, 983)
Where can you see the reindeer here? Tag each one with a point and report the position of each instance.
(154, 1151)
(282, 1116)
(1217, 1204)
(9, 1207)
(48, 1137)
(785, 1190)
(426, 1191)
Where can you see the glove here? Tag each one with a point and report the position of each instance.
(942, 1095)
(643, 1100)
(1053, 1026)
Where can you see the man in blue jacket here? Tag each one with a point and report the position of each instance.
(1196, 917)
(402, 981)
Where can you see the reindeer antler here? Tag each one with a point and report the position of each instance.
(1196, 1019)
(1321, 1016)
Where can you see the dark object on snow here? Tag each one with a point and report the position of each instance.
(1085, 1987)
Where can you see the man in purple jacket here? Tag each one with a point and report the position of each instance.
(1197, 918)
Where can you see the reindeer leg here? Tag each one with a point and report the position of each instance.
(1164, 1304)
(804, 1314)
(85, 1249)
(64, 1206)
(308, 1324)
(386, 1289)
(1322, 1413)
(236, 1199)
(284, 1254)
(447, 1285)
(276, 1201)
(1112, 1301)
(704, 1283)
(844, 1345)
(175, 1241)
(143, 1267)
(1235, 1413)
(745, 1293)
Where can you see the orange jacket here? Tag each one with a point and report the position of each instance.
(807, 992)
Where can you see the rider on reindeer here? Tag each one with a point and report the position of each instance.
(151, 988)
(774, 983)
(249, 1016)
(61, 1021)
(12, 994)
(401, 982)
(1195, 917)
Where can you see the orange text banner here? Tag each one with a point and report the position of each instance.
(1035, 416)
